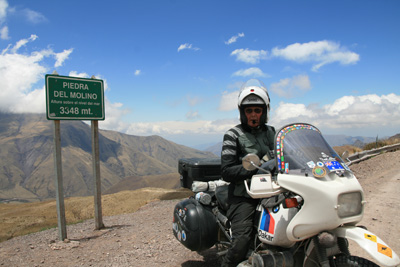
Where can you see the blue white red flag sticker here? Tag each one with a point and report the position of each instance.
(267, 222)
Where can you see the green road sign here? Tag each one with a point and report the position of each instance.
(70, 98)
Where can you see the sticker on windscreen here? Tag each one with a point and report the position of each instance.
(311, 164)
(319, 172)
(333, 165)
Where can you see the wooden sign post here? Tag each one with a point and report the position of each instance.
(69, 98)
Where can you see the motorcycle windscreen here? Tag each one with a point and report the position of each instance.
(301, 148)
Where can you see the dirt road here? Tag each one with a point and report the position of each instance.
(145, 238)
(380, 178)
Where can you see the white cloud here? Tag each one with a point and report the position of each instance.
(4, 33)
(234, 38)
(30, 15)
(321, 52)
(33, 16)
(366, 115)
(114, 112)
(291, 87)
(32, 101)
(78, 75)
(3, 14)
(363, 115)
(228, 101)
(369, 113)
(249, 56)
(20, 44)
(287, 111)
(61, 57)
(193, 100)
(138, 72)
(187, 46)
(373, 106)
(253, 72)
(3, 10)
(192, 115)
(20, 72)
(179, 127)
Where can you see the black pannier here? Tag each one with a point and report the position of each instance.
(198, 169)
(194, 225)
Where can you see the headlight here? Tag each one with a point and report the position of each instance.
(349, 204)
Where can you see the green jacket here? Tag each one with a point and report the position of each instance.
(238, 142)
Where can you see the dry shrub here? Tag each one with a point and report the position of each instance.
(382, 143)
(351, 149)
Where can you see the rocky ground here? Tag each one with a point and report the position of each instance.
(145, 238)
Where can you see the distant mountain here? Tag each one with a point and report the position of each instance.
(203, 147)
(341, 140)
(27, 164)
(333, 140)
(215, 149)
(395, 138)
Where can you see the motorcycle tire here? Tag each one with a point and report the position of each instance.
(352, 261)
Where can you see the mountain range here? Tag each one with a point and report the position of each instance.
(333, 140)
(27, 160)
(127, 162)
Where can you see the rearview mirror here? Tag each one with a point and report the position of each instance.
(250, 162)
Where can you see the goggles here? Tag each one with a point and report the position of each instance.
(251, 110)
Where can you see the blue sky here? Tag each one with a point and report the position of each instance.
(174, 68)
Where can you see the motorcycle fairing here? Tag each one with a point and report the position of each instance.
(319, 211)
(371, 243)
(309, 167)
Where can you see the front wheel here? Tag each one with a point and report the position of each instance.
(352, 261)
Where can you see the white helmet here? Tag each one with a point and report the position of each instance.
(254, 93)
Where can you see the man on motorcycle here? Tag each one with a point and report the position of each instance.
(252, 135)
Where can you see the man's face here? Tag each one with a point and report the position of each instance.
(253, 115)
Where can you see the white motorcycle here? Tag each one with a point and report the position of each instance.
(310, 203)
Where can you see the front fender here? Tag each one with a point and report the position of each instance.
(371, 243)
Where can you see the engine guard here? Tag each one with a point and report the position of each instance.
(371, 243)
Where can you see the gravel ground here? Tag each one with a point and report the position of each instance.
(145, 238)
